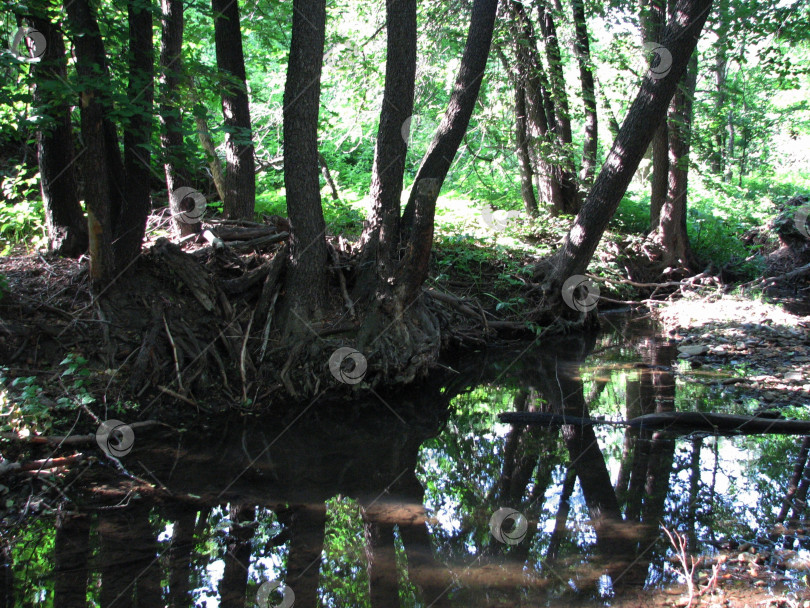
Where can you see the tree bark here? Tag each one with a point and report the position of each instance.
(421, 208)
(233, 586)
(717, 155)
(67, 228)
(653, 20)
(541, 113)
(381, 235)
(306, 524)
(175, 161)
(137, 137)
(180, 552)
(71, 554)
(671, 231)
(307, 273)
(240, 174)
(648, 109)
(583, 51)
(97, 188)
(563, 169)
(381, 559)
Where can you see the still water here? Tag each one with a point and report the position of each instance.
(420, 496)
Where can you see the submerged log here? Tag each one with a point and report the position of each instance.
(679, 423)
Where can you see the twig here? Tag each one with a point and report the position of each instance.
(242, 357)
(688, 566)
(174, 354)
(267, 323)
(177, 395)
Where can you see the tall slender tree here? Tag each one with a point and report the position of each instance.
(56, 155)
(583, 52)
(381, 236)
(240, 178)
(175, 161)
(307, 268)
(136, 203)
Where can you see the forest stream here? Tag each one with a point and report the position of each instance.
(390, 503)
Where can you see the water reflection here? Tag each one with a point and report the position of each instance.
(389, 502)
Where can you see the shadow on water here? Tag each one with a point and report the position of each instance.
(419, 497)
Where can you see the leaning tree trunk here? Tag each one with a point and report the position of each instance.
(381, 235)
(306, 285)
(671, 234)
(67, 228)
(240, 177)
(175, 161)
(583, 51)
(419, 213)
(94, 160)
(137, 137)
(648, 109)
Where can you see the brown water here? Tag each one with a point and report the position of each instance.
(417, 496)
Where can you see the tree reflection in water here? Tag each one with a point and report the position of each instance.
(389, 504)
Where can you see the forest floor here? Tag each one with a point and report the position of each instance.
(51, 331)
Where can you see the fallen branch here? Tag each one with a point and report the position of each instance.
(38, 465)
(239, 246)
(681, 423)
(74, 439)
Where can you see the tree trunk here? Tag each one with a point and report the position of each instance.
(647, 111)
(175, 161)
(421, 208)
(100, 208)
(564, 168)
(718, 153)
(671, 232)
(583, 51)
(89, 44)
(137, 137)
(795, 480)
(381, 235)
(180, 552)
(71, 554)
(522, 139)
(306, 524)
(233, 585)
(541, 113)
(660, 173)
(307, 273)
(381, 559)
(67, 228)
(240, 176)
(653, 20)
